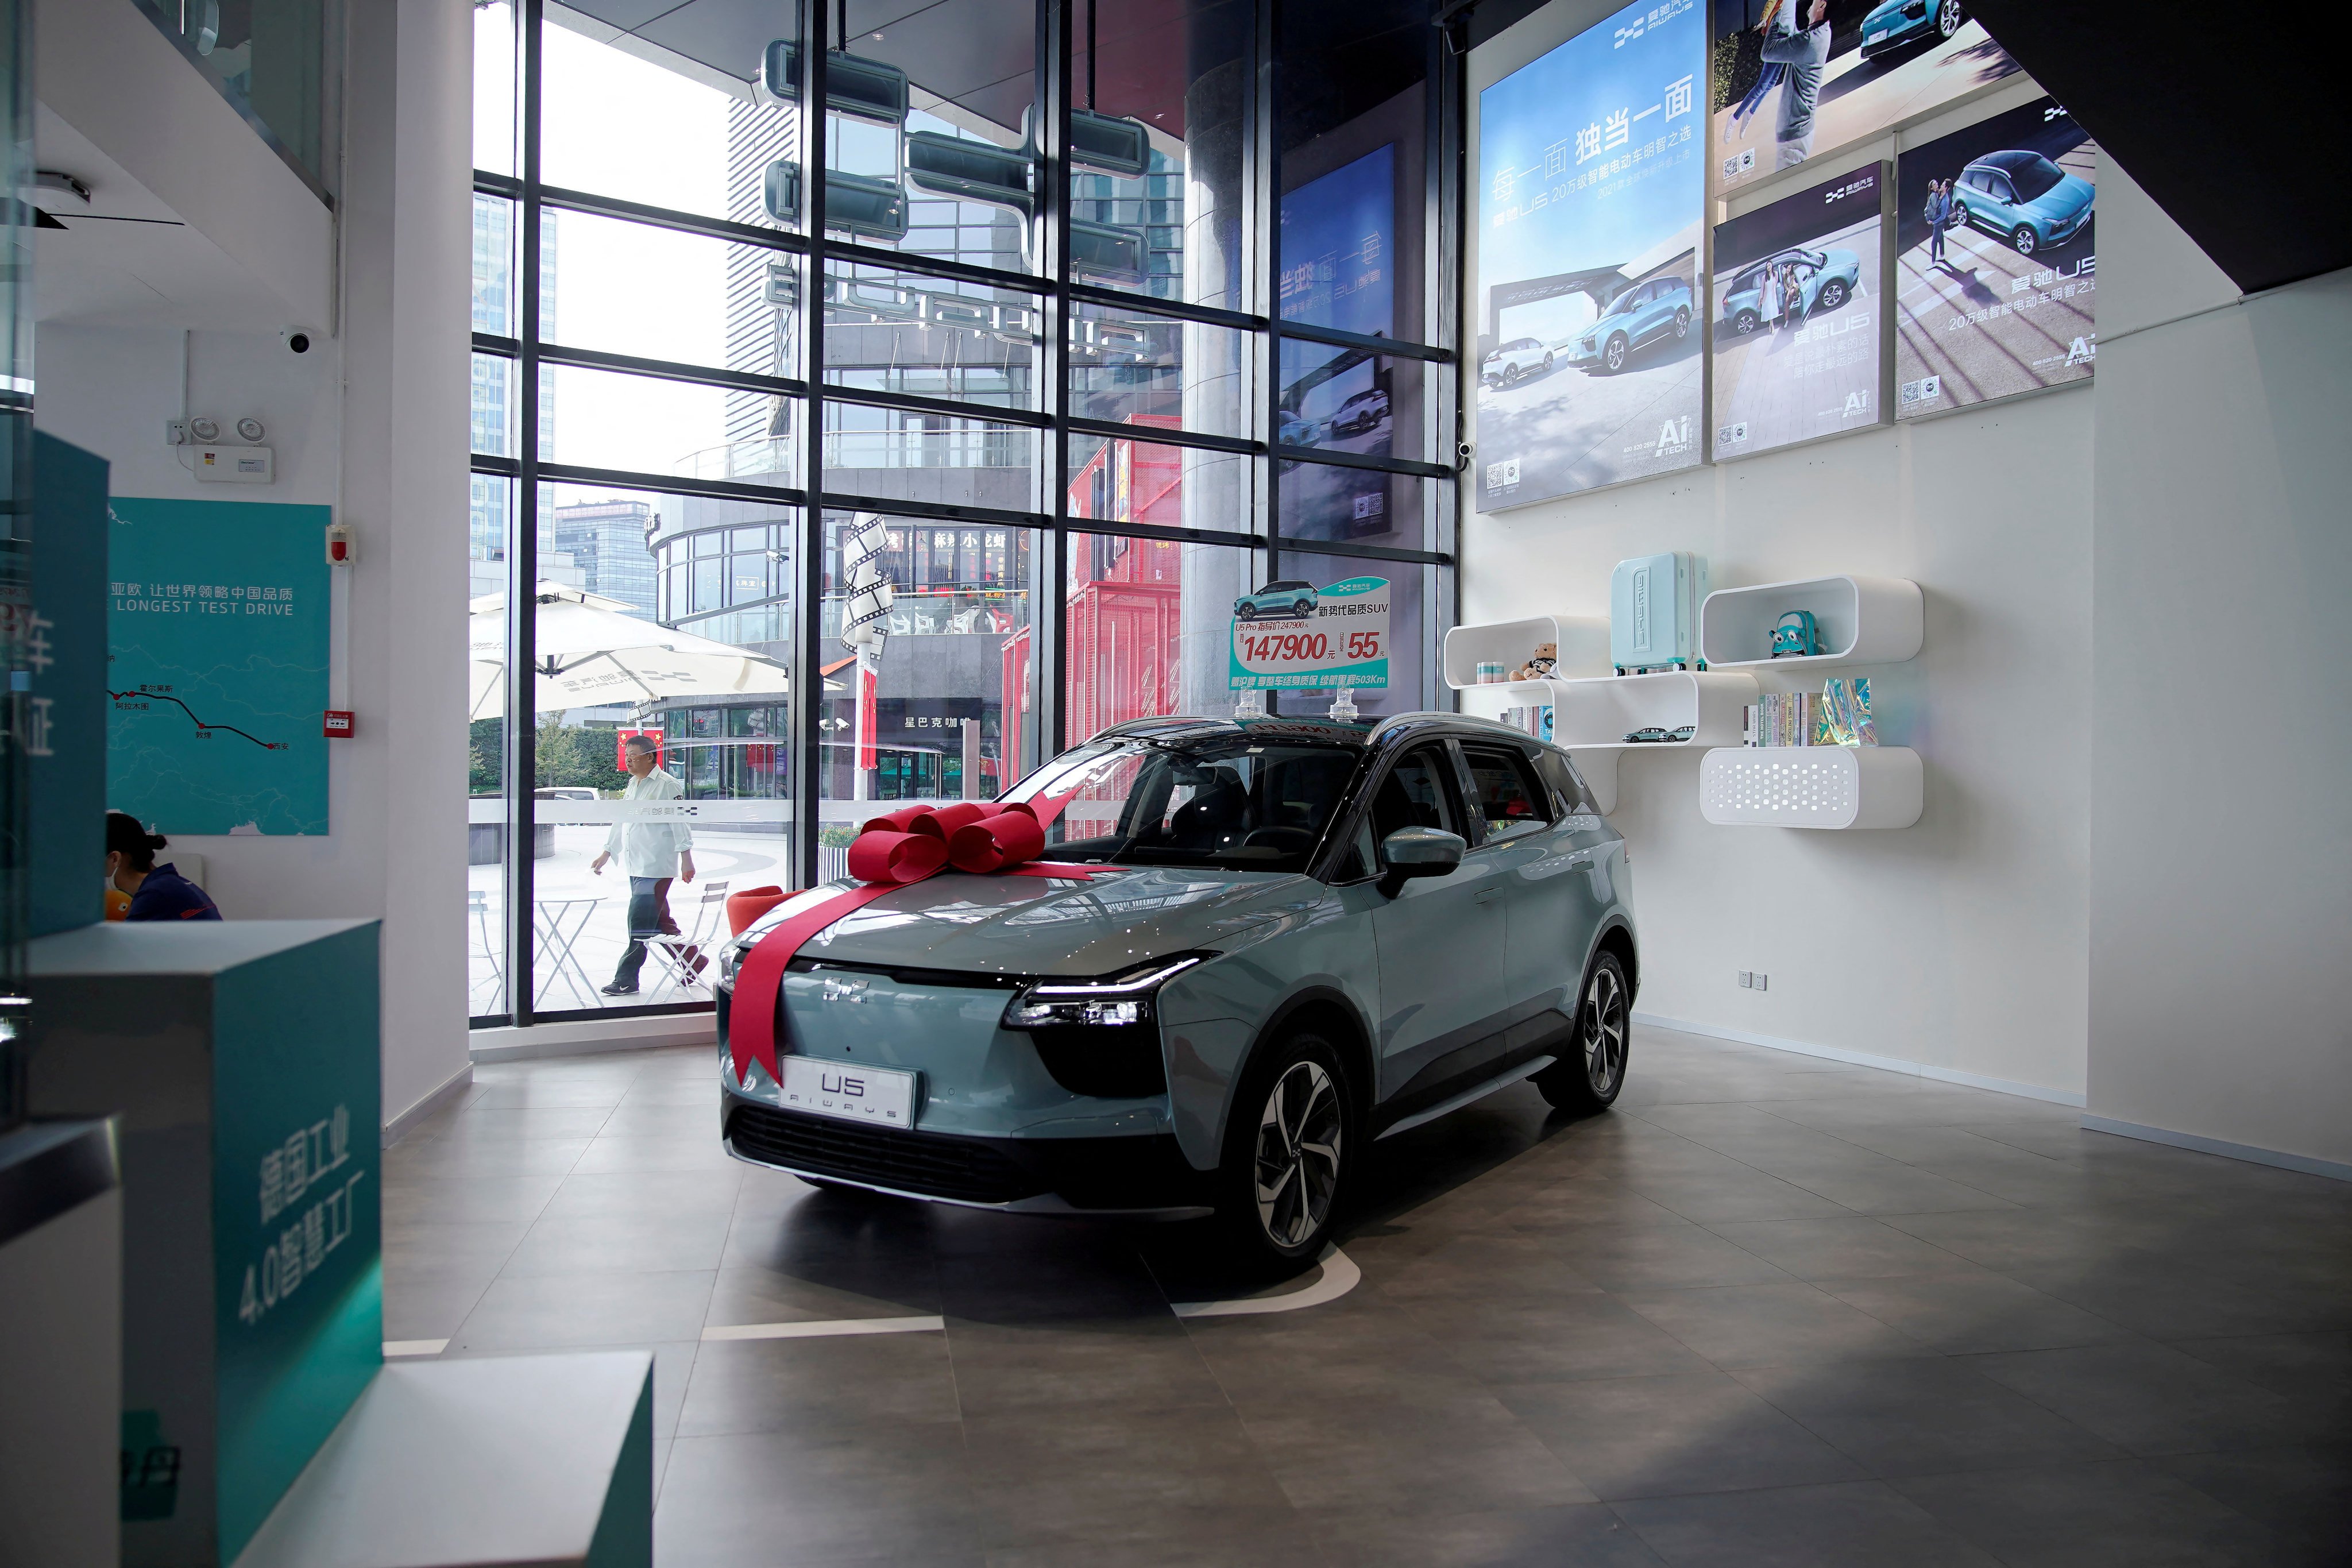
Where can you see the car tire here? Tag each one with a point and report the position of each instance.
(1959, 216)
(2023, 241)
(1950, 16)
(1745, 322)
(1590, 1075)
(1833, 295)
(1288, 1143)
(1682, 325)
(1614, 354)
(1546, 362)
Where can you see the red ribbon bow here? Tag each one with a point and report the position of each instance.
(890, 852)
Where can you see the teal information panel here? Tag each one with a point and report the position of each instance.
(217, 665)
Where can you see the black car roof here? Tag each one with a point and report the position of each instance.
(2013, 158)
(1379, 731)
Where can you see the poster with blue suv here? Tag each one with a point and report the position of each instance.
(1996, 271)
(1591, 202)
(217, 665)
(1798, 317)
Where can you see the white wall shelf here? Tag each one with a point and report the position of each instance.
(1862, 620)
(1598, 715)
(1583, 642)
(1810, 787)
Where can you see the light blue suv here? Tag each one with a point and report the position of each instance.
(2024, 198)
(1646, 313)
(1294, 938)
(1825, 278)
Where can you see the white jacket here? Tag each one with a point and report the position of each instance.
(649, 846)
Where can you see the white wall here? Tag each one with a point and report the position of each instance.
(375, 424)
(2221, 892)
(1958, 944)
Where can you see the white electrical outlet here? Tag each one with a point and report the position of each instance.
(1747, 979)
(1761, 981)
(175, 433)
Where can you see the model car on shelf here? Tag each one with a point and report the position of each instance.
(1656, 311)
(2024, 198)
(1276, 601)
(1907, 24)
(1513, 362)
(1826, 278)
(1246, 949)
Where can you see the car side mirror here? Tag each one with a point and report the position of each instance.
(1411, 852)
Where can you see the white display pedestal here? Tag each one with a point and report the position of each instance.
(540, 1459)
(60, 1346)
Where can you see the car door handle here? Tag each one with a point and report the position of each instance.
(1488, 894)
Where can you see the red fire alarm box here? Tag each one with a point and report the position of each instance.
(621, 747)
(339, 724)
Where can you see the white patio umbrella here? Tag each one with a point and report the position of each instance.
(592, 652)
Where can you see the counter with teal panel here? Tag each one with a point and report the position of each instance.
(242, 1059)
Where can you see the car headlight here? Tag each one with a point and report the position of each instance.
(1116, 1001)
(730, 958)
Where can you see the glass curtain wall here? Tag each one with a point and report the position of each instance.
(882, 483)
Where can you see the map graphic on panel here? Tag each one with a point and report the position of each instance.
(1997, 292)
(217, 666)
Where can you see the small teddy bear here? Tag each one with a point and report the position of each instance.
(1541, 667)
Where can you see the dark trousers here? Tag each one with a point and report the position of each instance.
(648, 909)
(1935, 246)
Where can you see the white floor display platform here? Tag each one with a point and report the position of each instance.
(541, 1459)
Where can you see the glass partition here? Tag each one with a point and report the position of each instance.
(269, 59)
(712, 424)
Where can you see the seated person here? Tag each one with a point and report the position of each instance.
(156, 892)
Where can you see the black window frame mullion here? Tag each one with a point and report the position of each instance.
(519, 873)
(1261, 166)
(806, 707)
(1048, 616)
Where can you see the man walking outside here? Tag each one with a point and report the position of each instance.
(1804, 53)
(651, 852)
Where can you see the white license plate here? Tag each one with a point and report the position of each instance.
(880, 1097)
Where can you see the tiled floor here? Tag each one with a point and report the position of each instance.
(1770, 1311)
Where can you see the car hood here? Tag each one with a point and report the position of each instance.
(1033, 925)
(2070, 196)
(1886, 13)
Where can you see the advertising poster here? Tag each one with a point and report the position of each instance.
(1337, 271)
(1590, 201)
(1289, 635)
(217, 665)
(1796, 80)
(1996, 271)
(1797, 316)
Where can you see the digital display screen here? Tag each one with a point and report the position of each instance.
(1591, 203)
(1797, 316)
(1996, 272)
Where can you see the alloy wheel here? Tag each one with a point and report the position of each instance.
(1949, 18)
(1604, 1031)
(1299, 1154)
(1616, 353)
(2024, 241)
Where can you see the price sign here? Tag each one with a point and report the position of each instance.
(1341, 639)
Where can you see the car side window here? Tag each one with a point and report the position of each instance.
(1568, 799)
(1414, 795)
(1505, 791)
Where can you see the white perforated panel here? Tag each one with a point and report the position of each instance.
(1782, 787)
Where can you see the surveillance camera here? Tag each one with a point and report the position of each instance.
(296, 339)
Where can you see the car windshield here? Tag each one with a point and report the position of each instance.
(2035, 177)
(1218, 802)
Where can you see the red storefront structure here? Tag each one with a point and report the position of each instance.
(1124, 595)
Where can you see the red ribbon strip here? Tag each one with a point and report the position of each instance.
(890, 852)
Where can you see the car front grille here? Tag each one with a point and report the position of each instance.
(909, 1161)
